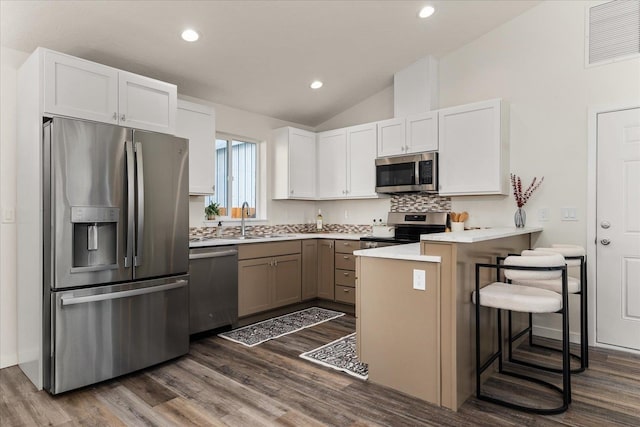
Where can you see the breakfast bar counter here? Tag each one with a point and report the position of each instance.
(415, 323)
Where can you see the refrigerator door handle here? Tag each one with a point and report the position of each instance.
(71, 300)
(140, 184)
(130, 203)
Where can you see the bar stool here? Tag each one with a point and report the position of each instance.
(575, 257)
(507, 296)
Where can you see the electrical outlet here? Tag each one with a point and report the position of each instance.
(420, 280)
(543, 214)
(568, 214)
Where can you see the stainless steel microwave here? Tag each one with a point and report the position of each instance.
(413, 173)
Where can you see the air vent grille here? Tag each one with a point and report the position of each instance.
(614, 31)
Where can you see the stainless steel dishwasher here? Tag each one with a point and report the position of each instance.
(213, 288)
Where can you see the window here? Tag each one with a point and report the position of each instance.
(236, 176)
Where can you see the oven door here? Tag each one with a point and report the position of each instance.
(396, 174)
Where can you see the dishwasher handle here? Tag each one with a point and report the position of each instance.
(216, 254)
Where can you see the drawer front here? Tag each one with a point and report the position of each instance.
(345, 261)
(268, 249)
(345, 294)
(347, 246)
(345, 277)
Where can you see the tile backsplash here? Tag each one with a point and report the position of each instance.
(279, 228)
(419, 203)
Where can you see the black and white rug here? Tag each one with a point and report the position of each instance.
(340, 355)
(260, 332)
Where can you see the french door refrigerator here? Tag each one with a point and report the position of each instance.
(116, 251)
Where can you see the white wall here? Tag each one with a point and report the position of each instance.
(379, 106)
(536, 63)
(10, 60)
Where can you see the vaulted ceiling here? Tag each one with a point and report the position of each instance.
(258, 56)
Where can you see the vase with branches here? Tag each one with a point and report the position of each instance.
(522, 197)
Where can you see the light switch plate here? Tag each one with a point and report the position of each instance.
(419, 280)
(568, 214)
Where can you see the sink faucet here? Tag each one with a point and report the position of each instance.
(242, 217)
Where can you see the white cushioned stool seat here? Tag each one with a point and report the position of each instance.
(519, 298)
(567, 251)
(541, 259)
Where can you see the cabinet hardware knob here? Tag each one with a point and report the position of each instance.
(346, 290)
(345, 257)
(276, 263)
(346, 274)
(115, 116)
(123, 118)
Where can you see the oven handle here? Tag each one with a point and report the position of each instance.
(71, 300)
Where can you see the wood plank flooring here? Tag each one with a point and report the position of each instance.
(221, 383)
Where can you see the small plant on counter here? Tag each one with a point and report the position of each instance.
(212, 210)
(523, 196)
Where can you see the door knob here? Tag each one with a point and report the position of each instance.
(605, 242)
(605, 224)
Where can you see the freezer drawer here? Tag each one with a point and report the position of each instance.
(104, 332)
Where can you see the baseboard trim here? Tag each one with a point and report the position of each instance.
(555, 334)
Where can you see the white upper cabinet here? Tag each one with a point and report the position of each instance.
(294, 164)
(332, 164)
(77, 88)
(74, 87)
(474, 149)
(346, 162)
(413, 134)
(197, 123)
(361, 156)
(422, 132)
(146, 103)
(391, 137)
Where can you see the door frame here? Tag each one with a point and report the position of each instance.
(592, 200)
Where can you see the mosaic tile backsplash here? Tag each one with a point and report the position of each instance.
(399, 203)
(195, 232)
(420, 203)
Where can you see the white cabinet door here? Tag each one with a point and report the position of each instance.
(361, 156)
(302, 164)
(391, 137)
(77, 88)
(332, 164)
(197, 123)
(145, 103)
(422, 132)
(473, 147)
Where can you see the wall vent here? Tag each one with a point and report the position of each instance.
(613, 31)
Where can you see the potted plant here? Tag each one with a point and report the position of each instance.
(212, 210)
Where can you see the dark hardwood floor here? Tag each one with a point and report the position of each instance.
(221, 383)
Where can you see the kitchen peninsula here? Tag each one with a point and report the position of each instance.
(415, 323)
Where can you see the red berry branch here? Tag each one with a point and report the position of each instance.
(523, 197)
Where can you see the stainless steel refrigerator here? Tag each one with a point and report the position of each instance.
(116, 251)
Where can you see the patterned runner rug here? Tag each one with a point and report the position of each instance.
(260, 332)
(340, 355)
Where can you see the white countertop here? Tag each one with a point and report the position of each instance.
(478, 235)
(408, 252)
(215, 241)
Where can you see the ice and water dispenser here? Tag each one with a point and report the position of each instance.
(95, 237)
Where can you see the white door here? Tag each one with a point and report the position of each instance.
(618, 229)
(332, 164)
(361, 159)
(145, 103)
(77, 88)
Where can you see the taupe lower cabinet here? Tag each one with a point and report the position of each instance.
(309, 269)
(269, 276)
(326, 269)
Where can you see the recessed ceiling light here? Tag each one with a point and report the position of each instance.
(426, 12)
(190, 35)
(316, 84)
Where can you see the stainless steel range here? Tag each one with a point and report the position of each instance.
(408, 228)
